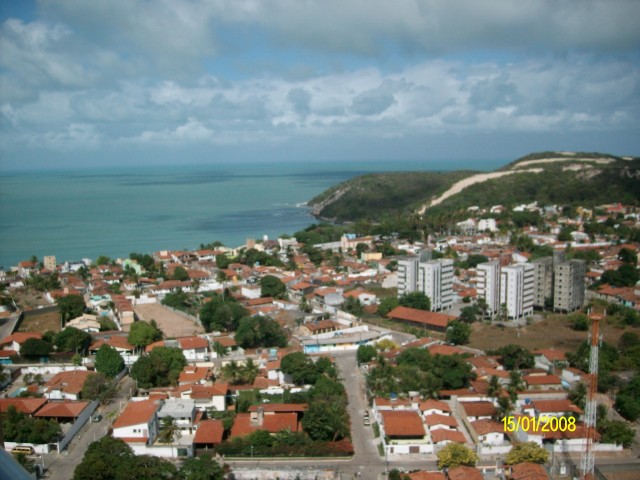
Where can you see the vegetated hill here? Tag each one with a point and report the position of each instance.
(380, 194)
(550, 178)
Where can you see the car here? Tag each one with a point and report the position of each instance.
(96, 418)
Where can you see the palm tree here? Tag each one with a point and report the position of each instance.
(249, 372)
(516, 384)
(169, 432)
(231, 372)
(494, 387)
(505, 407)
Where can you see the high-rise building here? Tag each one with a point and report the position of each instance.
(407, 275)
(568, 291)
(49, 262)
(517, 289)
(434, 278)
(543, 280)
(488, 285)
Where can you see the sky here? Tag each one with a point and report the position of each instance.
(144, 82)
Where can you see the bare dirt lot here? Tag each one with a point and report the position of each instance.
(41, 321)
(552, 332)
(171, 323)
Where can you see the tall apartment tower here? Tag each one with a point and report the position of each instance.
(517, 289)
(407, 275)
(49, 262)
(435, 280)
(488, 285)
(568, 291)
(543, 280)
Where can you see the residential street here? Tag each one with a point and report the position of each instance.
(61, 466)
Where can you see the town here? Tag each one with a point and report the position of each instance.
(463, 355)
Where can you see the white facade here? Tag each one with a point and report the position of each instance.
(488, 285)
(517, 289)
(487, 224)
(407, 275)
(435, 280)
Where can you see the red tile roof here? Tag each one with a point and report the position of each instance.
(208, 391)
(191, 343)
(436, 419)
(426, 476)
(209, 432)
(225, 341)
(483, 427)
(434, 405)
(62, 409)
(542, 380)
(402, 423)
(552, 354)
(272, 423)
(434, 319)
(24, 405)
(464, 473)
(136, 413)
(69, 382)
(556, 406)
(280, 407)
(445, 435)
(479, 409)
(528, 470)
(20, 337)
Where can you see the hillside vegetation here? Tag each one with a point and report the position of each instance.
(549, 177)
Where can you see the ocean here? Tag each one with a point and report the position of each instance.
(75, 214)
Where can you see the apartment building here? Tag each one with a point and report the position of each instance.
(407, 275)
(543, 280)
(488, 285)
(517, 289)
(434, 278)
(568, 292)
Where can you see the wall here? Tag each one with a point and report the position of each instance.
(79, 423)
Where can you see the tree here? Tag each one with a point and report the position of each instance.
(178, 300)
(98, 387)
(526, 452)
(578, 395)
(144, 333)
(494, 387)
(516, 384)
(386, 305)
(627, 255)
(169, 431)
(221, 313)
(21, 428)
(353, 306)
(70, 307)
(300, 367)
(326, 420)
(615, 431)
(160, 368)
(366, 353)
(271, 286)
(109, 361)
(180, 274)
(458, 333)
(72, 340)
(469, 314)
(416, 300)
(515, 357)
(102, 459)
(201, 468)
(34, 347)
(260, 332)
(504, 407)
(147, 467)
(455, 454)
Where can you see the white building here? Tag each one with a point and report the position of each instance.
(407, 275)
(488, 285)
(138, 423)
(435, 280)
(517, 289)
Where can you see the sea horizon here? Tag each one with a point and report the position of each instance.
(75, 213)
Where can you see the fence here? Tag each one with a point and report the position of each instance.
(78, 424)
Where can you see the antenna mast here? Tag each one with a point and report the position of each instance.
(587, 462)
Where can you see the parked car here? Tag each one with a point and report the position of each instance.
(97, 417)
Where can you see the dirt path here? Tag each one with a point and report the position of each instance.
(171, 323)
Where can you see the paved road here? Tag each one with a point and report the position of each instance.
(62, 465)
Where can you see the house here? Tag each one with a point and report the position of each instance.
(209, 434)
(318, 327)
(138, 423)
(15, 341)
(422, 475)
(66, 385)
(365, 298)
(208, 396)
(421, 318)
(464, 473)
(543, 382)
(528, 471)
(23, 405)
(488, 432)
(549, 358)
(246, 423)
(118, 342)
(443, 436)
(478, 410)
(435, 422)
(549, 408)
(191, 374)
(85, 322)
(405, 431)
(182, 411)
(194, 348)
(62, 412)
(431, 407)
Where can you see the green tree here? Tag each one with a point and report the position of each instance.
(178, 300)
(98, 387)
(147, 467)
(526, 452)
(169, 431)
(300, 367)
(102, 459)
(366, 353)
(578, 395)
(353, 306)
(455, 454)
(494, 387)
(271, 286)
(70, 307)
(458, 333)
(326, 420)
(416, 300)
(386, 305)
(615, 431)
(144, 333)
(34, 347)
(109, 361)
(72, 340)
(469, 314)
(21, 428)
(160, 368)
(201, 468)
(180, 274)
(221, 313)
(515, 357)
(260, 332)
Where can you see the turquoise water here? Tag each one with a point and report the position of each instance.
(78, 214)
